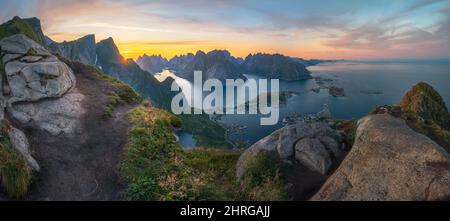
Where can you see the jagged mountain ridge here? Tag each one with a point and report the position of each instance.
(82, 49)
(153, 63)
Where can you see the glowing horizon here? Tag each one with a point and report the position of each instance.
(346, 29)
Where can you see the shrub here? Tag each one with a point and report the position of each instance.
(147, 103)
(127, 93)
(108, 112)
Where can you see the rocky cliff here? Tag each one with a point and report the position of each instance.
(81, 50)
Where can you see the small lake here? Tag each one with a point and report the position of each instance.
(367, 85)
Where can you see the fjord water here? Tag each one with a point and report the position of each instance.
(366, 84)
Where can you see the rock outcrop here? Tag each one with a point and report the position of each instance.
(37, 88)
(20, 142)
(82, 50)
(425, 103)
(390, 161)
(275, 66)
(315, 145)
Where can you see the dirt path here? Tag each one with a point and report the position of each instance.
(82, 166)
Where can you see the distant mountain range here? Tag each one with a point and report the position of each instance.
(221, 64)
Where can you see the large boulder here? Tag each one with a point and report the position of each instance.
(313, 154)
(54, 116)
(39, 90)
(390, 161)
(314, 145)
(32, 73)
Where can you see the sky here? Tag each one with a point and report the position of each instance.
(312, 29)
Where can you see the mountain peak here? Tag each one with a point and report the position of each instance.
(108, 51)
(30, 27)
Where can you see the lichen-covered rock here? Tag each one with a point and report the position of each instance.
(54, 116)
(390, 161)
(19, 141)
(32, 81)
(39, 90)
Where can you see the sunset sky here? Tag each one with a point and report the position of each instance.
(347, 29)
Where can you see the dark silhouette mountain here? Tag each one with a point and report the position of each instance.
(217, 64)
(112, 63)
(153, 63)
(275, 66)
(82, 49)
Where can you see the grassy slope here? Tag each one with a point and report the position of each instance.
(155, 167)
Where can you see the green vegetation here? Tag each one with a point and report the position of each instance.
(153, 164)
(18, 26)
(121, 93)
(124, 91)
(218, 167)
(263, 179)
(155, 167)
(15, 173)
